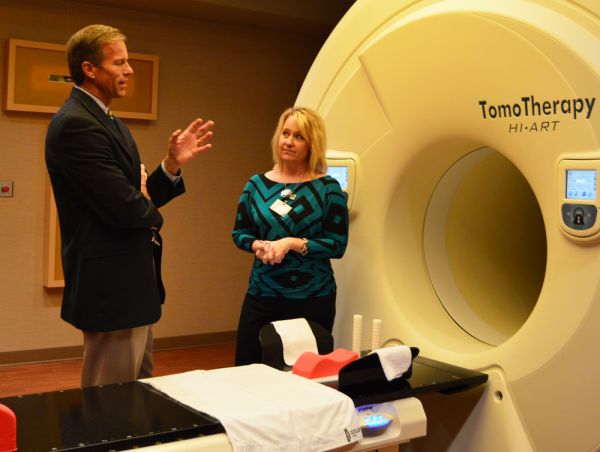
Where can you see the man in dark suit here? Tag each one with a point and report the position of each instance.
(108, 210)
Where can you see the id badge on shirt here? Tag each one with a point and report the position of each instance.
(280, 207)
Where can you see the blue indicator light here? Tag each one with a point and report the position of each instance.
(374, 424)
(376, 420)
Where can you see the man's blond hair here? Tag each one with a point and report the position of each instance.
(86, 45)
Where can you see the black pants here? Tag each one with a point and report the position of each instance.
(258, 312)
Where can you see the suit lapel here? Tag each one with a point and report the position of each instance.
(113, 126)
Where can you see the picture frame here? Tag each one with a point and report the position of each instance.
(53, 270)
(38, 80)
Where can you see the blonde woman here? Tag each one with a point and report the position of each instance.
(294, 219)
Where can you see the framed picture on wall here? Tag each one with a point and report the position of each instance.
(53, 270)
(38, 80)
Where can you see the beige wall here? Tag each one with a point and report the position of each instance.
(241, 77)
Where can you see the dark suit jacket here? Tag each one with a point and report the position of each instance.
(105, 222)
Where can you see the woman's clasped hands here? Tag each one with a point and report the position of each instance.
(272, 252)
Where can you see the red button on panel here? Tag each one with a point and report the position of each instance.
(5, 189)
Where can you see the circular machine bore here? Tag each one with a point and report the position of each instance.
(485, 245)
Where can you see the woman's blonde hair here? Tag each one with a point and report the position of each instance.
(312, 128)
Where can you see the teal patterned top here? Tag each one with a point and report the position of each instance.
(319, 213)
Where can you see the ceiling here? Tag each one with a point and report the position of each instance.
(298, 16)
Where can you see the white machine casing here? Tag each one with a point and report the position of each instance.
(463, 116)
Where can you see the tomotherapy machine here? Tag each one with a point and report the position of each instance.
(469, 130)
(465, 133)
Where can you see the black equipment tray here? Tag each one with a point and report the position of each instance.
(112, 417)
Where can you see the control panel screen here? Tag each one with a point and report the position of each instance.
(341, 174)
(581, 185)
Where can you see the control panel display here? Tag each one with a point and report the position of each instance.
(341, 174)
(581, 184)
(577, 196)
(342, 167)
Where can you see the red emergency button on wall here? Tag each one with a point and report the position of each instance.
(6, 188)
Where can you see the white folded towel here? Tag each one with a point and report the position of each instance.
(297, 338)
(394, 360)
(266, 410)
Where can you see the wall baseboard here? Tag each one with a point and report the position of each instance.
(76, 352)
